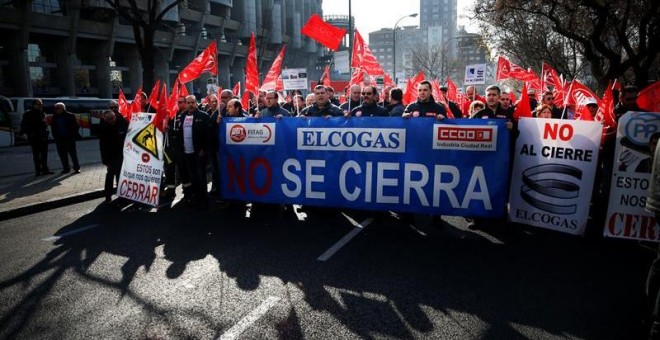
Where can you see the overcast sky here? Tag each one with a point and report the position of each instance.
(372, 15)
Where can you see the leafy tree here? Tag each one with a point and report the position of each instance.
(145, 17)
(618, 38)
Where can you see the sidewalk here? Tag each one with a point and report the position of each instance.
(22, 193)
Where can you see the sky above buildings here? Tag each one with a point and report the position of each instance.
(372, 15)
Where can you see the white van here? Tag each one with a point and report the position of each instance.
(88, 111)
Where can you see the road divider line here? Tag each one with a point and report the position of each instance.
(250, 319)
(69, 233)
(344, 240)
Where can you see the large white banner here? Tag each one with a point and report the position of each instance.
(553, 173)
(142, 169)
(294, 79)
(631, 173)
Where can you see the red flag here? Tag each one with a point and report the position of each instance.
(512, 95)
(325, 78)
(124, 106)
(136, 105)
(237, 89)
(649, 98)
(251, 69)
(364, 58)
(578, 95)
(206, 61)
(173, 101)
(245, 100)
(280, 84)
(153, 96)
(551, 78)
(357, 77)
(387, 81)
(503, 68)
(324, 33)
(435, 91)
(183, 91)
(523, 109)
(606, 107)
(162, 113)
(534, 81)
(452, 90)
(411, 88)
(270, 82)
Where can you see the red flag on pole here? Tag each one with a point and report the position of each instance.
(649, 98)
(358, 50)
(206, 61)
(522, 108)
(153, 96)
(357, 77)
(325, 78)
(606, 107)
(503, 68)
(183, 91)
(245, 100)
(452, 90)
(124, 106)
(251, 69)
(136, 105)
(324, 33)
(162, 113)
(270, 82)
(237, 89)
(173, 101)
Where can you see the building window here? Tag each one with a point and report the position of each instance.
(47, 7)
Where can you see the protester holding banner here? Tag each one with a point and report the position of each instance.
(505, 102)
(194, 135)
(369, 107)
(543, 111)
(112, 132)
(475, 107)
(354, 100)
(272, 109)
(321, 107)
(425, 106)
(309, 100)
(453, 107)
(396, 107)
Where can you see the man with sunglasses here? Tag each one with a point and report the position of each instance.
(549, 99)
(369, 107)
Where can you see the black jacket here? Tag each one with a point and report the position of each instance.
(201, 130)
(396, 110)
(369, 111)
(426, 109)
(345, 106)
(111, 139)
(315, 111)
(71, 127)
(34, 125)
(274, 111)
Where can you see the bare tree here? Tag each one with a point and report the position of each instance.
(618, 38)
(144, 21)
(436, 61)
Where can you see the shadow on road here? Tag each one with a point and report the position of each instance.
(380, 285)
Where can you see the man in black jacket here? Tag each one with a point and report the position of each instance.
(65, 131)
(396, 107)
(112, 132)
(35, 127)
(425, 106)
(369, 107)
(322, 107)
(354, 99)
(193, 135)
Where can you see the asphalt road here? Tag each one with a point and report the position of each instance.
(91, 271)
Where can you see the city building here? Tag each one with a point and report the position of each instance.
(83, 48)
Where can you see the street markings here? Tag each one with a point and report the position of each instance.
(250, 319)
(344, 240)
(69, 233)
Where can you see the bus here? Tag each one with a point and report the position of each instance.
(6, 131)
(88, 111)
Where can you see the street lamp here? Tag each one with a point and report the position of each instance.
(394, 44)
